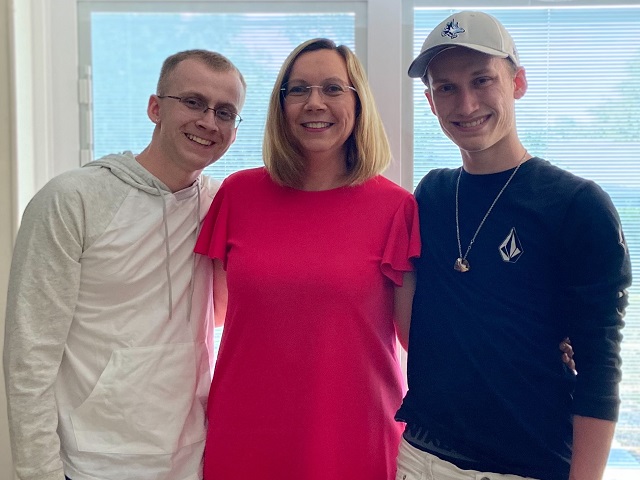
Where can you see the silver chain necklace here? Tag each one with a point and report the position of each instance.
(462, 264)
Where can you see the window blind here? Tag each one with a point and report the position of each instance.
(127, 52)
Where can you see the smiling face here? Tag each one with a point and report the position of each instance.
(473, 95)
(321, 124)
(186, 141)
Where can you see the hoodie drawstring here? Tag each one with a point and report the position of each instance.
(166, 248)
(168, 251)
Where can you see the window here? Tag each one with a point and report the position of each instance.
(122, 68)
(581, 113)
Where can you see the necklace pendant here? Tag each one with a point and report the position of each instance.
(461, 265)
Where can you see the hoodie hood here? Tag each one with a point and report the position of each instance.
(126, 168)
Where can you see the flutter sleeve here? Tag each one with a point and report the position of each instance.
(212, 240)
(403, 244)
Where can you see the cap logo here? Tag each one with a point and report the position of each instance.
(452, 30)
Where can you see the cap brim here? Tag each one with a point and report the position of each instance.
(418, 68)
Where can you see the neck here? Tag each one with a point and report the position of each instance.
(165, 171)
(324, 174)
(494, 160)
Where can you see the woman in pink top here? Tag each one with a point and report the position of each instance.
(316, 251)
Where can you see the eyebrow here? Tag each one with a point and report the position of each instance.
(475, 73)
(225, 105)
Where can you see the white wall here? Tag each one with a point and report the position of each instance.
(6, 212)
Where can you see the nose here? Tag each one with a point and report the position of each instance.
(208, 120)
(467, 101)
(315, 98)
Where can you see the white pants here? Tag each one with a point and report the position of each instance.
(414, 464)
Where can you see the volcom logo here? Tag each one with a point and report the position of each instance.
(511, 248)
(452, 30)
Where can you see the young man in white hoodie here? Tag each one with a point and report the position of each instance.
(109, 312)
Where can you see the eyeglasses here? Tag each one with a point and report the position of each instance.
(300, 93)
(196, 104)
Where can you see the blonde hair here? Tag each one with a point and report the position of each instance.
(368, 150)
(214, 60)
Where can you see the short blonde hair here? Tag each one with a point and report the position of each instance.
(368, 150)
(214, 60)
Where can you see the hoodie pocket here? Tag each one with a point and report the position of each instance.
(144, 403)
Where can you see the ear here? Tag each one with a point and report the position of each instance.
(427, 93)
(153, 109)
(519, 83)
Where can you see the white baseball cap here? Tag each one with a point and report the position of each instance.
(476, 30)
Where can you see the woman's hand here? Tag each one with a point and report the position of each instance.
(567, 354)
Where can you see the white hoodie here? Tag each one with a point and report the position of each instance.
(109, 317)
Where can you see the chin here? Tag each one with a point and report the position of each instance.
(472, 145)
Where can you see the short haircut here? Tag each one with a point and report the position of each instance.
(214, 60)
(368, 151)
